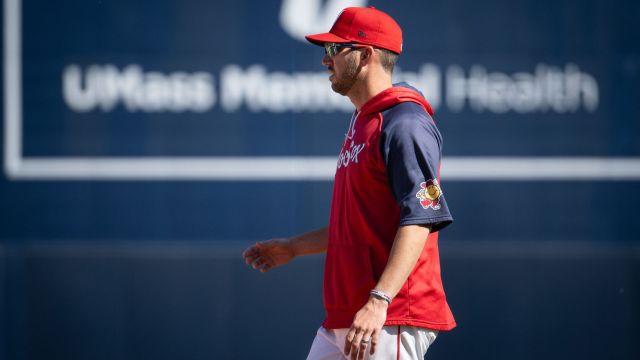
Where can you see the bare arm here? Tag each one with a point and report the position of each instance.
(368, 322)
(405, 252)
(313, 242)
(266, 255)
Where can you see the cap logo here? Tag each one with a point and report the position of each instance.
(362, 34)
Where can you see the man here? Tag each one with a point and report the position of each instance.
(382, 287)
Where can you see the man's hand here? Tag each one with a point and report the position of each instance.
(266, 255)
(366, 326)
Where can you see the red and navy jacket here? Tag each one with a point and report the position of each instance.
(387, 176)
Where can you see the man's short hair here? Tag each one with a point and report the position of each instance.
(387, 59)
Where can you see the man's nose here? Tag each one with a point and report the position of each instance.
(326, 60)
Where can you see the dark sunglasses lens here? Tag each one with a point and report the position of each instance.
(330, 49)
(333, 49)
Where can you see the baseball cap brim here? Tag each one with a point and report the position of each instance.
(321, 39)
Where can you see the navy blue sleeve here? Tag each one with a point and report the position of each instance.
(411, 148)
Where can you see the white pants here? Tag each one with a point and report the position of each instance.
(394, 343)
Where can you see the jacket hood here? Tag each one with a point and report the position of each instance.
(394, 95)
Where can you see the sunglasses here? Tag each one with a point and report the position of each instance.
(332, 49)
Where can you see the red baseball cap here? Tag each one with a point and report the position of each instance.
(368, 26)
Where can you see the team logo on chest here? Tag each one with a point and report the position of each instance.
(350, 155)
(429, 194)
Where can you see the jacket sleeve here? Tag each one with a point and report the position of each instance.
(411, 148)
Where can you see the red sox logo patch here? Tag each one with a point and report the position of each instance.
(429, 194)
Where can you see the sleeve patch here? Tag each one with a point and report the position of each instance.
(429, 194)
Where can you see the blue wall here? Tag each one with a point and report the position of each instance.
(128, 268)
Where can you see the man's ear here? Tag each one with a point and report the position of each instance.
(367, 53)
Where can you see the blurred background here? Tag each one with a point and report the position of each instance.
(147, 143)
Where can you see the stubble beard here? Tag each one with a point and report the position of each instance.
(348, 78)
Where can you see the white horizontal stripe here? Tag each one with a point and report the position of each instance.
(151, 168)
(541, 168)
(316, 168)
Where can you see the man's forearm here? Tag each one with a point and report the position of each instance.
(309, 243)
(405, 252)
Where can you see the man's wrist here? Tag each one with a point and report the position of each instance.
(290, 244)
(380, 295)
(378, 303)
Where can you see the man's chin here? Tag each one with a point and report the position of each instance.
(339, 89)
